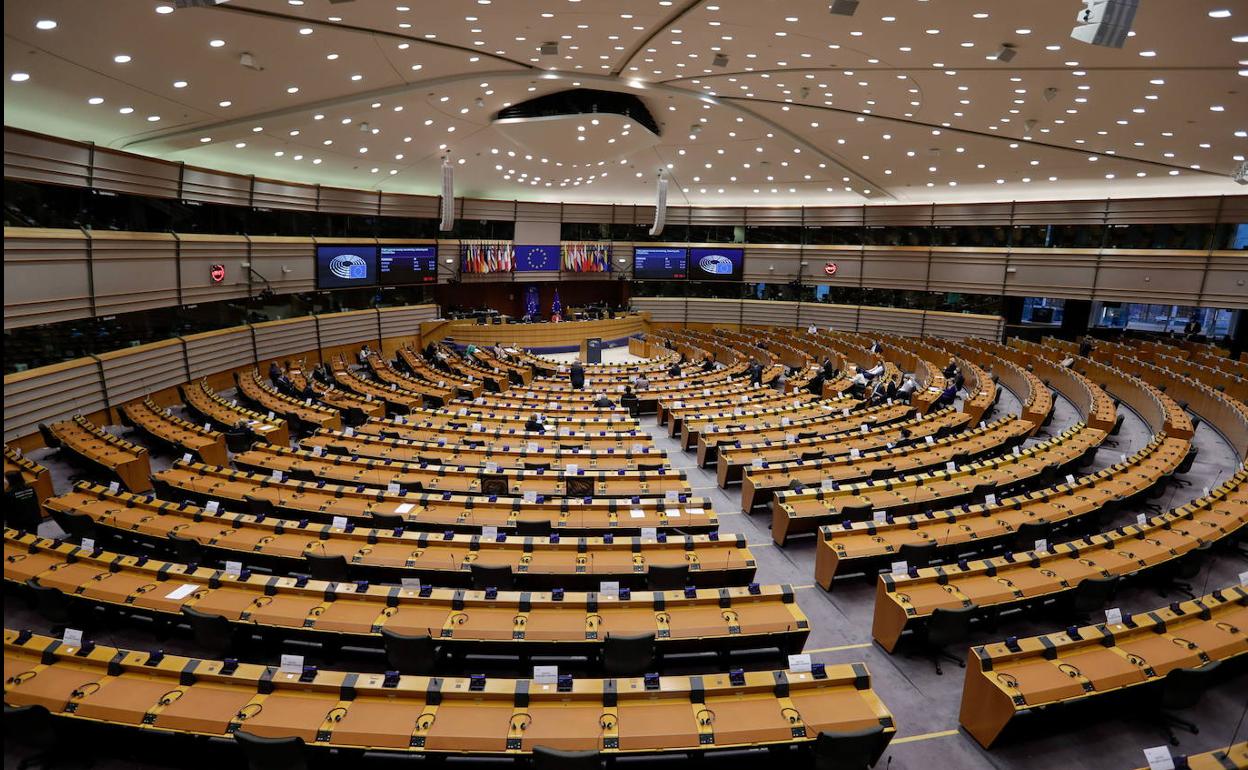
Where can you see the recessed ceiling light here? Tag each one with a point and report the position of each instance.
(122, 58)
(1220, 13)
(218, 43)
(180, 84)
(225, 103)
(96, 100)
(163, 9)
(305, 30)
(126, 110)
(153, 118)
(45, 24)
(205, 139)
(19, 77)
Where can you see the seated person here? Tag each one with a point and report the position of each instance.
(708, 364)
(951, 369)
(781, 381)
(275, 372)
(948, 396)
(640, 382)
(907, 389)
(630, 401)
(858, 385)
(534, 424)
(674, 369)
(602, 402)
(815, 386)
(875, 371)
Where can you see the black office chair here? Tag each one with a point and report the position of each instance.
(353, 417)
(533, 527)
(667, 577)
(337, 449)
(214, 636)
(650, 466)
(1090, 595)
(495, 485)
(852, 750)
(856, 512)
(882, 474)
(578, 487)
(1185, 467)
(389, 521)
(410, 654)
(76, 525)
(945, 628)
(918, 554)
(1025, 537)
(259, 506)
(49, 438)
(1182, 688)
(32, 726)
(1183, 569)
(326, 567)
(185, 549)
(492, 577)
(1114, 431)
(556, 759)
(814, 454)
(271, 753)
(58, 608)
(21, 507)
(628, 655)
(795, 485)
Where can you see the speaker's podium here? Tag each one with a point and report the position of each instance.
(591, 350)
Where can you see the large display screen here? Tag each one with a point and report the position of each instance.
(408, 264)
(661, 263)
(533, 258)
(346, 267)
(716, 264)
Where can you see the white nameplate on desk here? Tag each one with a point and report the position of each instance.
(213, 506)
(234, 568)
(88, 544)
(291, 664)
(413, 583)
(637, 513)
(186, 458)
(1113, 616)
(900, 568)
(649, 533)
(799, 664)
(72, 637)
(404, 508)
(530, 496)
(339, 522)
(393, 488)
(546, 674)
(1159, 758)
(114, 487)
(609, 588)
(489, 533)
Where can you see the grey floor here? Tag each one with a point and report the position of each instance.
(924, 705)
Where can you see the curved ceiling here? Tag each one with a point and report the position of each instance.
(903, 102)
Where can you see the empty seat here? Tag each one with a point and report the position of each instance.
(214, 636)
(853, 750)
(556, 759)
(325, 567)
(534, 528)
(492, 577)
(410, 654)
(630, 656)
(667, 578)
(271, 753)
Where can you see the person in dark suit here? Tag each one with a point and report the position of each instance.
(951, 369)
(708, 364)
(602, 402)
(630, 401)
(674, 369)
(815, 386)
(947, 396)
(534, 425)
(756, 374)
(578, 376)
(275, 372)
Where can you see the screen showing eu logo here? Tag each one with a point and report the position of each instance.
(339, 267)
(716, 264)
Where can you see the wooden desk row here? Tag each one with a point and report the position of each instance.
(712, 405)
(414, 362)
(178, 435)
(433, 392)
(489, 621)
(1233, 757)
(471, 434)
(733, 462)
(323, 502)
(146, 692)
(802, 512)
(96, 447)
(1093, 404)
(333, 396)
(461, 480)
(904, 601)
(1007, 681)
(410, 364)
(838, 417)
(800, 412)
(382, 552)
(761, 484)
(33, 474)
(865, 545)
(396, 400)
(207, 405)
(506, 455)
(253, 390)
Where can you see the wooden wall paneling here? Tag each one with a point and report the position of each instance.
(848, 261)
(893, 320)
(221, 351)
(401, 325)
(662, 309)
(51, 393)
(895, 267)
(132, 373)
(777, 216)
(1226, 283)
(353, 328)
(915, 215)
(1128, 275)
(414, 206)
(833, 216)
(1162, 210)
(538, 212)
(268, 193)
(205, 186)
(46, 276)
(290, 337)
(198, 253)
(289, 263)
(959, 325)
(827, 316)
(700, 310)
(133, 271)
(772, 264)
(134, 174)
(718, 215)
(967, 270)
(759, 312)
(339, 200)
(477, 209)
(587, 213)
(972, 214)
(1090, 212)
(1059, 273)
(39, 158)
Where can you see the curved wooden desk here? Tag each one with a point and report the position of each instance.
(101, 449)
(180, 436)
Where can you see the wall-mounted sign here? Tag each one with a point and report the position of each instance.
(830, 268)
(218, 273)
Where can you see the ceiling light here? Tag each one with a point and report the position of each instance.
(180, 84)
(1221, 13)
(164, 9)
(122, 58)
(45, 24)
(19, 77)
(96, 100)
(126, 110)
(218, 43)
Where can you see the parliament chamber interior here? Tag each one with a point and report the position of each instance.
(833, 384)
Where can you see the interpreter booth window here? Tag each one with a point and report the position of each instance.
(1163, 319)
(1043, 311)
